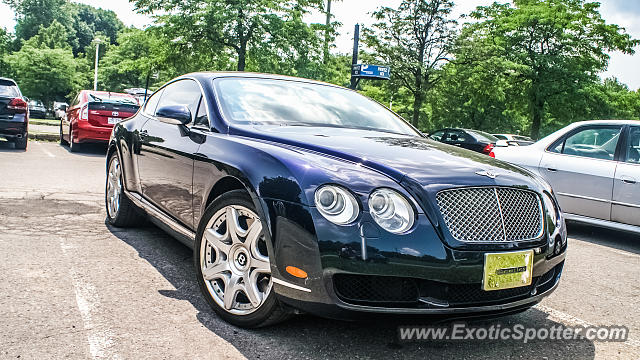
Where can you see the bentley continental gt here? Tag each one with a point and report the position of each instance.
(300, 196)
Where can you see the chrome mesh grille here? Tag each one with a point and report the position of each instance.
(491, 214)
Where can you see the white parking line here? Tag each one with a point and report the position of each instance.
(45, 150)
(99, 335)
(562, 317)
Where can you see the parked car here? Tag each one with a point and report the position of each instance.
(516, 140)
(14, 114)
(475, 140)
(37, 109)
(139, 93)
(91, 116)
(60, 109)
(594, 168)
(296, 194)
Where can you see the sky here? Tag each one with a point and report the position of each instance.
(625, 13)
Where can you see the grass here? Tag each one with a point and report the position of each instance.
(50, 122)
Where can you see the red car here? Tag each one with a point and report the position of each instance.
(92, 114)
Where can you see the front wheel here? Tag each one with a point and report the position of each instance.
(232, 263)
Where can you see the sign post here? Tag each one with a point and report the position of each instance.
(364, 71)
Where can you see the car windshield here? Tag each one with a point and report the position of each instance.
(482, 136)
(284, 102)
(113, 98)
(36, 103)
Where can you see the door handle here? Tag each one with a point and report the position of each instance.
(551, 169)
(627, 179)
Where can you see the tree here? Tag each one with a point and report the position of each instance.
(223, 26)
(414, 40)
(5, 43)
(556, 47)
(82, 22)
(46, 67)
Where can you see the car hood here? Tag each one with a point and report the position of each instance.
(406, 159)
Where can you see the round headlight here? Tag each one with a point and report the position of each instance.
(336, 204)
(552, 210)
(391, 210)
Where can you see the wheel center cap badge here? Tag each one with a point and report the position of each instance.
(487, 173)
(241, 259)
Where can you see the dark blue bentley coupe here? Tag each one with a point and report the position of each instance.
(298, 195)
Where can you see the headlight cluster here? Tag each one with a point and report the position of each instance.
(336, 204)
(390, 209)
(551, 207)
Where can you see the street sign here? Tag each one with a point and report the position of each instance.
(365, 71)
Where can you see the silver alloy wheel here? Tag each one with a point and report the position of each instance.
(234, 260)
(114, 187)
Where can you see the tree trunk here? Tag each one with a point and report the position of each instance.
(537, 111)
(242, 55)
(417, 105)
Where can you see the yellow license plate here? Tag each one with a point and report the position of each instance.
(507, 270)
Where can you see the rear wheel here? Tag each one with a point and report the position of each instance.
(121, 212)
(21, 143)
(73, 146)
(232, 263)
(62, 141)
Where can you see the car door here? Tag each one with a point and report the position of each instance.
(165, 160)
(580, 168)
(625, 207)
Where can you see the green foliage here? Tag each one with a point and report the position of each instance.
(554, 48)
(414, 40)
(45, 66)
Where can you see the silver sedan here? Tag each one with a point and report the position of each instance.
(594, 169)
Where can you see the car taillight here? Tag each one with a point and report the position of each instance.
(487, 149)
(492, 154)
(84, 113)
(18, 105)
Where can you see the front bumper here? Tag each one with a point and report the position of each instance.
(446, 282)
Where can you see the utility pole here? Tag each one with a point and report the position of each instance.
(354, 59)
(95, 75)
(326, 32)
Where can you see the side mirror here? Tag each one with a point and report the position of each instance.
(174, 114)
(502, 143)
(453, 137)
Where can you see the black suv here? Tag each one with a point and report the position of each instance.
(14, 114)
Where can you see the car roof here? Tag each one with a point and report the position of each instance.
(205, 75)
(7, 79)
(606, 122)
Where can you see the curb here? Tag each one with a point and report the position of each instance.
(44, 137)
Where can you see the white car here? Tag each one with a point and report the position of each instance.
(593, 168)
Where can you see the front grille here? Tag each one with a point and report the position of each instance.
(375, 289)
(392, 291)
(491, 214)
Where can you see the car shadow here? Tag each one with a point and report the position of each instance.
(88, 150)
(607, 237)
(307, 336)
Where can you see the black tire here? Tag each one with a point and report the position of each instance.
(73, 147)
(62, 141)
(271, 311)
(127, 215)
(21, 143)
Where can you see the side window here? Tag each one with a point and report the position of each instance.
(201, 116)
(152, 102)
(592, 142)
(182, 92)
(437, 136)
(456, 136)
(633, 150)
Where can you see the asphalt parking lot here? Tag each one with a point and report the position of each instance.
(73, 287)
